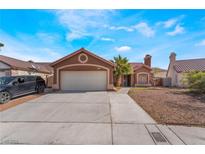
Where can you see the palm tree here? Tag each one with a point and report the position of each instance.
(122, 67)
(1, 45)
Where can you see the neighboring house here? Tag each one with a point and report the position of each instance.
(159, 76)
(11, 67)
(159, 73)
(141, 76)
(83, 70)
(177, 68)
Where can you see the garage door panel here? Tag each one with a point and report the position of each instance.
(83, 80)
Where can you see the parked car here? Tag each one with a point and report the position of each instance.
(14, 86)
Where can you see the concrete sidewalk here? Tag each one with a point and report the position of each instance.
(125, 110)
(124, 90)
(139, 134)
(132, 125)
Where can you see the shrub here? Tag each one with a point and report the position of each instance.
(195, 81)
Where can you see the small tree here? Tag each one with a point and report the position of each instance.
(122, 67)
(195, 81)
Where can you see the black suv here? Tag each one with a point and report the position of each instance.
(14, 86)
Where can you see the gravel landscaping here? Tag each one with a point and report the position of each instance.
(171, 105)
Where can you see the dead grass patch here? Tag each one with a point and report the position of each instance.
(171, 105)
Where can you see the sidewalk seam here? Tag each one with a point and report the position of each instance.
(176, 135)
(150, 134)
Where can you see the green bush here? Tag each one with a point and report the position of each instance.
(195, 81)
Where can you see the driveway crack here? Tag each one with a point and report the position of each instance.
(111, 120)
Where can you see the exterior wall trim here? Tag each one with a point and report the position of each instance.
(79, 51)
(57, 85)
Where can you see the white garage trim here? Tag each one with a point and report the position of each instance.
(57, 85)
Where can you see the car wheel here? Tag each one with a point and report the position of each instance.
(40, 89)
(4, 97)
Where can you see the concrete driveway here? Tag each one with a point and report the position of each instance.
(88, 118)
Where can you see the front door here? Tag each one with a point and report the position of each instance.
(127, 80)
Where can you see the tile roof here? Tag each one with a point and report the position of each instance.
(45, 65)
(26, 65)
(138, 65)
(189, 65)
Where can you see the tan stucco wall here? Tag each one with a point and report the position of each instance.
(160, 74)
(180, 82)
(19, 72)
(43, 75)
(176, 78)
(171, 73)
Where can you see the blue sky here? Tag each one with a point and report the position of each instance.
(46, 35)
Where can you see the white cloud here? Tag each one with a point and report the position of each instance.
(201, 43)
(51, 52)
(178, 30)
(74, 35)
(44, 37)
(128, 29)
(17, 49)
(107, 39)
(171, 22)
(144, 29)
(82, 23)
(141, 27)
(48, 37)
(123, 48)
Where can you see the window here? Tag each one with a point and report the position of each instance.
(143, 78)
(82, 58)
(30, 78)
(21, 80)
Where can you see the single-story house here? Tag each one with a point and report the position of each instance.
(159, 72)
(177, 68)
(83, 70)
(11, 67)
